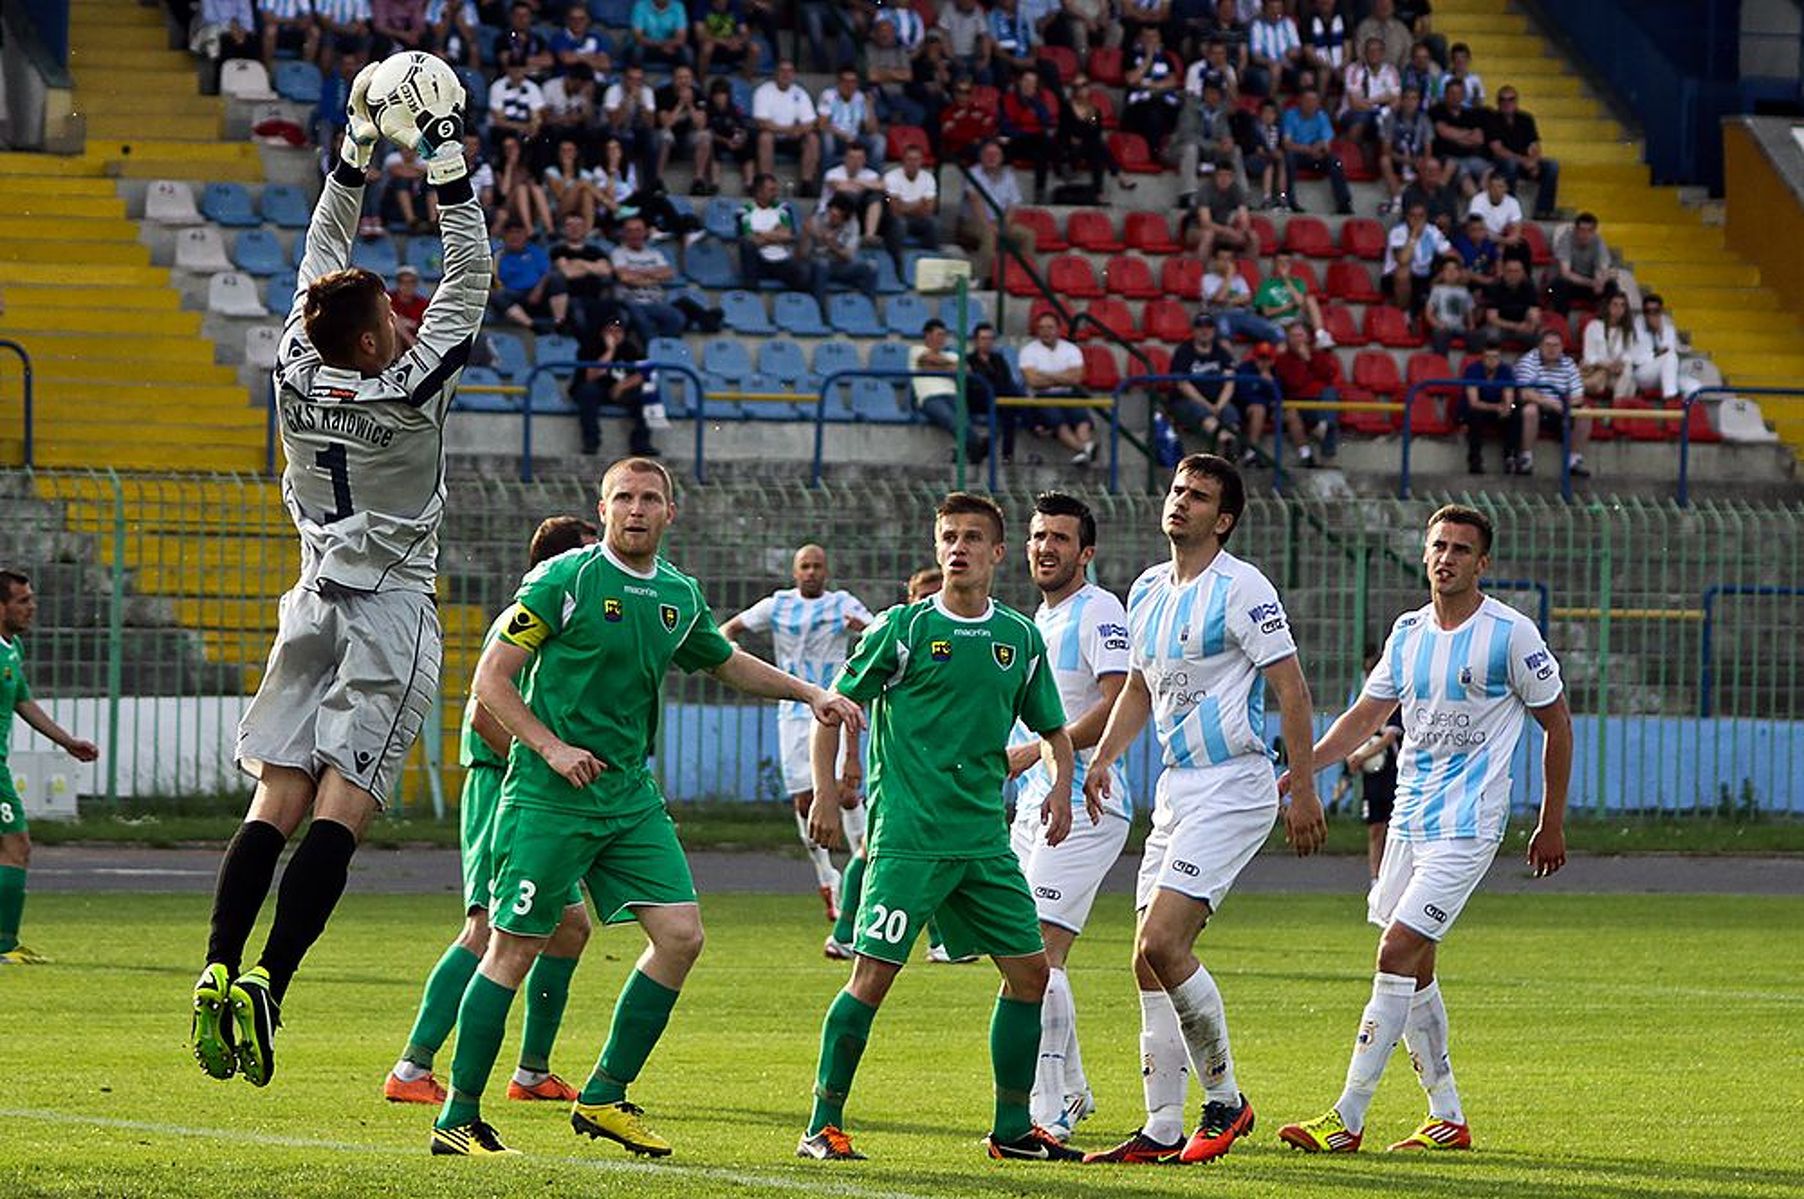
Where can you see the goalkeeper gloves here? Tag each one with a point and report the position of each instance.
(446, 164)
(360, 135)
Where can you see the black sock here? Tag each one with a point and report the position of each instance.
(244, 874)
(311, 885)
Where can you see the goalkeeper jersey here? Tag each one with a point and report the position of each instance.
(365, 475)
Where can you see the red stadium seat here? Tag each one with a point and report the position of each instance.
(1362, 237)
(1159, 363)
(901, 137)
(1390, 327)
(1353, 162)
(1310, 235)
(1182, 278)
(1166, 320)
(1701, 428)
(1351, 281)
(1129, 275)
(1426, 419)
(1341, 327)
(1268, 235)
(1376, 371)
(1113, 315)
(1151, 232)
(1537, 243)
(1093, 231)
(1131, 152)
(1424, 366)
(1070, 275)
(1249, 270)
(1047, 238)
(1302, 270)
(1105, 66)
(1015, 279)
(1101, 374)
(1061, 58)
(1105, 108)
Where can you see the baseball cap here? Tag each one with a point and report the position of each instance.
(1203, 320)
(404, 269)
(1265, 349)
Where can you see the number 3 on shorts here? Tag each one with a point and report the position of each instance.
(887, 925)
(528, 889)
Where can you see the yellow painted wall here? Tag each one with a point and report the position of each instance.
(1765, 217)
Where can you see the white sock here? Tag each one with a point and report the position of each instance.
(853, 821)
(1205, 1028)
(1380, 1028)
(1425, 1036)
(407, 1071)
(1076, 1082)
(1056, 1019)
(824, 874)
(529, 1078)
(1164, 1068)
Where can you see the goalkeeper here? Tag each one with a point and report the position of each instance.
(355, 662)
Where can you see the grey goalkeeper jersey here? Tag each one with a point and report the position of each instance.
(365, 480)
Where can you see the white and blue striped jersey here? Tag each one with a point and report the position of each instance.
(808, 636)
(1086, 638)
(1201, 646)
(1464, 693)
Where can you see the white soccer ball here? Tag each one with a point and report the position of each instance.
(417, 102)
(1375, 763)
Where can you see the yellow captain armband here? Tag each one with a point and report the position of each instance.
(525, 630)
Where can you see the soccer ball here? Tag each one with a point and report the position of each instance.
(416, 101)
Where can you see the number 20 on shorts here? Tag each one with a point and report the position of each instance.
(887, 925)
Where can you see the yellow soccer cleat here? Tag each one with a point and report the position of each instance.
(620, 1122)
(1324, 1134)
(475, 1139)
(21, 956)
(1435, 1134)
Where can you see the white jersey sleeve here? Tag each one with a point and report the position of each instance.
(852, 608)
(757, 617)
(1534, 672)
(1383, 682)
(1257, 621)
(1104, 637)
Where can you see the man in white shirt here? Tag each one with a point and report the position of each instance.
(785, 118)
(1657, 351)
(1410, 252)
(913, 197)
(1501, 211)
(1054, 367)
(631, 109)
(859, 184)
(1372, 86)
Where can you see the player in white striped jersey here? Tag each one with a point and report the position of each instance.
(1086, 643)
(1466, 670)
(1208, 635)
(809, 627)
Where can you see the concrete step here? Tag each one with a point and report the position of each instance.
(1564, 130)
(1683, 233)
(97, 103)
(20, 200)
(219, 435)
(1720, 274)
(83, 273)
(242, 170)
(163, 403)
(119, 321)
(84, 230)
(201, 153)
(1754, 341)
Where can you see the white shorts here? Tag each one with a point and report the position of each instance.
(1065, 877)
(1208, 822)
(793, 736)
(1423, 885)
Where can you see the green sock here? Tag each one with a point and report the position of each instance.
(851, 887)
(547, 991)
(639, 1020)
(445, 988)
(843, 1037)
(12, 906)
(1014, 1053)
(481, 1023)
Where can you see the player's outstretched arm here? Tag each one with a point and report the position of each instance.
(495, 690)
(1547, 848)
(32, 714)
(1351, 730)
(334, 222)
(1305, 826)
(823, 813)
(754, 676)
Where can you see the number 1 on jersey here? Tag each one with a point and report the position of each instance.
(332, 460)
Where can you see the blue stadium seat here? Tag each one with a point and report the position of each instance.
(709, 264)
(768, 410)
(718, 409)
(745, 312)
(615, 14)
(782, 360)
(854, 314)
(742, 92)
(229, 204)
(888, 282)
(721, 217)
(482, 376)
(670, 349)
(278, 297)
(726, 358)
(909, 258)
(427, 256)
(669, 250)
(257, 252)
(874, 401)
(798, 312)
(974, 312)
(830, 356)
(511, 360)
(376, 255)
(555, 347)
(549, 397)
(285, 206)
(888, 356)
(673, 387)
(298, 81)
(905, 314)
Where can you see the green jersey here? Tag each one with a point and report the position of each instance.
(603, 637)
(473, 750)
(947, 689)
(1279, 299)
(13, 689)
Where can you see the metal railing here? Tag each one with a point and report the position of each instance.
(833, 378)
(28, 418)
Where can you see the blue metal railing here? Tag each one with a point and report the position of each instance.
(644, 366)
(1707, 669)
(1727, 393)
(29, 417)
(834, 378)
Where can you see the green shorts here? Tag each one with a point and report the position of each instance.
(628, 861)
(12, 808)
(982, 905)
(476, 809)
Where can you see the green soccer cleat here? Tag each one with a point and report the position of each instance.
(475, 1139)
(255, 1016)
(211, 1032)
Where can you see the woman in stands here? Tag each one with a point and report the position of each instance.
(1081, 144)
(571, 185)
(620, 195)
(1608, 367)
(521, 197)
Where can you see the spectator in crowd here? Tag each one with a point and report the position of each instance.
(730, 135)
(1372, 87)
(525, 286)
(482, 177)
(1136, 15)
(640, 273)
(1324, 37)
(619, 384)
(1284, 299)
(1512, 308)
(1274, 51)
(1309, 145)
(521, 38)
(847, 117)
(861, 187)
(630, 110)
(288, 23)
(1205, 137)
(1155, 89)
(344, 29)
(932, 72)
(1084, 25)
(1479, 255)
(911, 210)
(1610, 353)
(785, 117)
(937, 398)
(1203, 404)
(1220, 217)
(1256, 390)
(966, 124)
(1423, 73)
(1262, 146)
(522, 198)
(397, 25)
(1459, 70)
(621, 194)
(1308, 374)
(660, 33)
(984, 359)
(722, 36)
(1435, 193)
(1450, 311)
(1404, 135)
(910, 26)
(1657, 360)
(889, 68)
(831, 238)
(1417, 17)
(1080, 142)
(1582, 270)
(1012, 40)
(1384, 25)
(682, 124)
(1054, 368)
(223, 29)
(406, 200)
(577, 44)
(992, 189)
(1548, 383)
(588, 273)
(1227, 297)
(409, 304)
(328, 119)
(1030, 124)
(833, 29)
(571, 109)
(516, 103)
(1459, 137)
(453, 24)
(1502, 215)
(967, 30)
(1488, 408)
(1515, 145)
(769, 240)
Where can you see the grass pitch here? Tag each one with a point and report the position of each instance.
(1605, 1046)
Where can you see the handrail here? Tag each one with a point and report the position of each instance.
(1252, 382)
(1723, 392)
(1545, 608)
(644, 366)
(863, 372)
(25, 365)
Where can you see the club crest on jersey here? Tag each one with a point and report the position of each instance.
(668, 614)
(1004, 654)
(1465, 676)
(612, 610)
(940, 651)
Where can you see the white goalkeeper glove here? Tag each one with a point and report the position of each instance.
(360, 136)
(447, 163)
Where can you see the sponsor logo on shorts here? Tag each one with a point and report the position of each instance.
(1004, 654)
(1052, 893)
(668, 614)
(1186, 868)
(940, 651)
(612, 610)
(1434, 913)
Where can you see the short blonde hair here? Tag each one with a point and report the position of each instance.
(638, 465)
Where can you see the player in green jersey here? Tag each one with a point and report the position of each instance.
(595, 631)
(18, 606)
(947, 678)
(484, 759)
